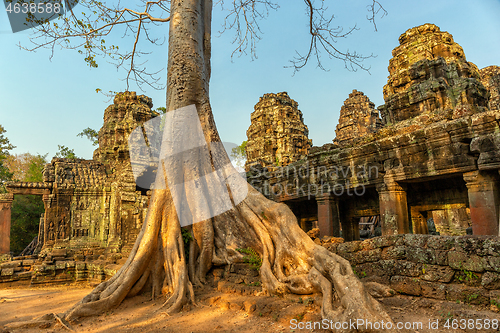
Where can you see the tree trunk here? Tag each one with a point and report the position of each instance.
(291, 261)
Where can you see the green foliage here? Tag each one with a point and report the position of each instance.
(252, 258)
(471, 297)
(240, 151)
(90, 134)
(161, 110)
(254, 284)
(186, 236)
(35, 168)
(5, 146)
(26, 167)
(65, 152)
(239, 154)
(467, 276)
(26, 211)
(495, 303)
(360, 275)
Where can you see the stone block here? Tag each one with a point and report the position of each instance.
(421, 255)
(49, 268)
(60, 264)
(28, 262)
(80, 265)
(7, 271)
(11, 264)
(59, 252)
(380, 268)
(407, 268)
(349, 247)
(406, 285)
(463, 261)
(435, 273)
(385, 241)
(394, 253)
(416, 240)
(433, 290)
(441, 258)
(368, 256)
(24, 275)
(491, 247)
(443, 243)
(473, 244)
(37, 268)
(491, 280)
(70, 264)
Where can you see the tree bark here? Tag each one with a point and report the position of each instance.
(291, 261)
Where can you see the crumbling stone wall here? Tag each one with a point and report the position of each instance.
(358, 117)
(429, 73)
(464, 268)
(277, 134)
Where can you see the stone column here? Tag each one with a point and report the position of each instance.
(5, 205)
(483, 202)
(419, 222)
(393, 208)
(328, 215)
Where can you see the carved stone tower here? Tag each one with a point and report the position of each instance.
(277, 135)
(358, 117)
(429, 73)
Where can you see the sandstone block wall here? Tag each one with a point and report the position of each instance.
(460, 268)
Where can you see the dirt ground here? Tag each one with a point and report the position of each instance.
(217, 312)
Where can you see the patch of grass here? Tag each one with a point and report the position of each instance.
(495, 303)
(470, 298)
(360, 275)
(254, 284)
(186, 236)
(252, 258)
(300, 316)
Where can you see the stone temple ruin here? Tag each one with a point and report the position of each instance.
(92, 207)
(431, 151)
(277, 134)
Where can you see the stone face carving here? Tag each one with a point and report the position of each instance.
(490, 77)
(358, 117)
(277, 135)
(429, 73)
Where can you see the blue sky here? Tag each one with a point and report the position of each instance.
(45, 103)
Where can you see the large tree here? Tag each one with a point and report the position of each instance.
(291, 261)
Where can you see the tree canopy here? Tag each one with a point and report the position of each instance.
(5, 147)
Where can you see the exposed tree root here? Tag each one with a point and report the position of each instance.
(291, 261)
